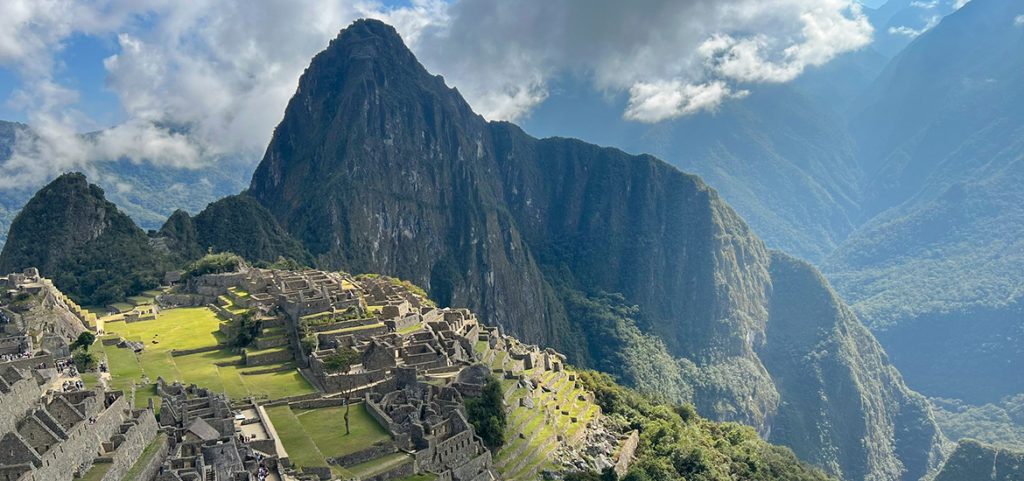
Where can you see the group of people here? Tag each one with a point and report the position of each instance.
(15, 356)
(73, 385)
(65, 366)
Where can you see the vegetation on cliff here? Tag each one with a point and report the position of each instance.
(487, 413)
(677, 444)
(91, 250)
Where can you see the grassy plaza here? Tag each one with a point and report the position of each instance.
(219, 370)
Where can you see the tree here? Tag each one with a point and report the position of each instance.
(247, 329)
(84, 360)
(487, 414)
(84, 341)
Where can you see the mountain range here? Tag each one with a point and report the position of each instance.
(895, 169)
(623, 262)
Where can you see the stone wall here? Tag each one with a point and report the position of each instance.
(134, 441)
(626, 452)
(283, 355)
(454, 451)
(63, 461)
(150, 470)
(400, 471)
(17, 402)
(29, 362)
(373, 452)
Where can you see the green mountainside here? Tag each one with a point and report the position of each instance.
(615, 259)
(91, 250)
(235, 224)
(973, 461)
(1000, 423)
(938, 272)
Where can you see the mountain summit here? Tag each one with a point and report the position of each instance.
(623, 262)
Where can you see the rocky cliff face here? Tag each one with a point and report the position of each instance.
(380, 167)
(91, 250)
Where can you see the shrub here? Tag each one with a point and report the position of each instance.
(247, 328)
(487, 414)
(213, 264)
(341, 360)
(84, 360)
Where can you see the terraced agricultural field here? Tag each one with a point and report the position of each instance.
(560, 411)
(219, 370)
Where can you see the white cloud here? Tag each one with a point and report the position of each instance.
(502, 54)
(960, 4)
(925, 4)
(196, 80)
(204, 78)
(1019, 20)
(654, 102)
(910, 32)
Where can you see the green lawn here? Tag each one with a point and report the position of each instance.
(96, 472)
(419, 477)
(326, 426)
(313, 435)
(193, 328)
(302, 451)
(90, 379)
(141, 300)
(122, 306)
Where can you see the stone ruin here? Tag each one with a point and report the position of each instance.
(208, 442)
(63, 435)
(410, 362)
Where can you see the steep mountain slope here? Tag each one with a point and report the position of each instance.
(899, 22)
(91, 250)
(146, 192)
(378, 166)
(938, 273)
(235, 224)
(973, 461)
(780, 157)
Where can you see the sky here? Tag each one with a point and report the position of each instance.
(186, 83)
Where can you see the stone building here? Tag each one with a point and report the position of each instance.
(206, 441)
(63, 435)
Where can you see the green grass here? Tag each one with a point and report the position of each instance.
(122, 307)
(311, 436)
(302, 451)
(379, 465)
(145, 457)
(140, 300)
(90, 379)
(326, 427)
(193, 328)
(412, 328)
(96, 472)
(419, 477)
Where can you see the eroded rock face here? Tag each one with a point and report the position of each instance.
(378, 166)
